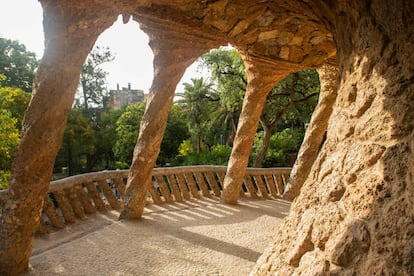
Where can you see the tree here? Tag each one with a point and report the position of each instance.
(14, 100)
(288, 96)
(93, 95)
(93, 78)
(175, 133)
(199, 99)
(105, 139)
(13, 103)
(78, 142)
(228, 73)
(9, 141)
(17, 64)
(127, 129)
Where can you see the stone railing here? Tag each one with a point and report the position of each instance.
(74, 197)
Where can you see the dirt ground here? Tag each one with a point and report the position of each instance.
(199, 237)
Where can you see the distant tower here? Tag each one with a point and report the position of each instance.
(124, 96)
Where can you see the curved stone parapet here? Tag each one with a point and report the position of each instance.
(76, 197)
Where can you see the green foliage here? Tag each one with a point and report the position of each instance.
(200, 100)
(93, 78)
(13, 103)
(17, 64)
(185, 148)
(9, 138)
(175, 133)
(293, 99)
(219, 155)
(121, 165)
(15, 100)
(9, 141)
(283, 145)
(228, 73)
(104, 128)
(78, 142)
(4, 179)
(127, 128)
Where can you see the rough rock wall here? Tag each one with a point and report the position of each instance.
(287, 32)
(355, 213)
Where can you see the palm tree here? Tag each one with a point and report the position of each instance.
(200, 101)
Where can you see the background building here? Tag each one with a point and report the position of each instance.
(126, 95)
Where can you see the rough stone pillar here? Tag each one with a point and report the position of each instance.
(262, 76)
(68, 40)
(328, 76)
(174, 50)
(354, 214)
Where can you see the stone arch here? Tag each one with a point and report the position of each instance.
(129, 44)
(351, 217)
(71, 30)
(172, 56)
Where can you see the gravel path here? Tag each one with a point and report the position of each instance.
(199, 237)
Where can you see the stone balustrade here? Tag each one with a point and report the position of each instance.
(73, 198)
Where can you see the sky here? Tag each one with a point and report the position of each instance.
(133, 56)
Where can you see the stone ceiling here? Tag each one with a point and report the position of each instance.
(292, 32)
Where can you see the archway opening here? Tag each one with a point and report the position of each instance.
(115, 80)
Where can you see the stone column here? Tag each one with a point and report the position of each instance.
(328, 76)
(354, 214)
(174, 50)
(69, 37)
(262, 76)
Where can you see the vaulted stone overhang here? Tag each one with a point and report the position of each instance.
(354, 214)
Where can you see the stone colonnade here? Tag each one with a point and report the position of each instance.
(354, 212)
(174, 50)
(262, 76)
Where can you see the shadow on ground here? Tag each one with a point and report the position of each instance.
(198, 237)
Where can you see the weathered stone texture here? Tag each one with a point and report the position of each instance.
(68, 42)
(174, 50)
(262, 77)
(315, 132)
(355, 211)
(361, 185)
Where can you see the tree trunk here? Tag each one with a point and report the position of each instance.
(267, 134)
(85, 95)
(70, 158)
(315, 132)
(262, 77)
(168, 72)
(354, 214)
(56, 81)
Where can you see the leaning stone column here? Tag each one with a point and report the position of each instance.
(262, 76)
(69, 37)
(328, 76)
(174, 50)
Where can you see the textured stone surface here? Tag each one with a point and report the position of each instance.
(361, 185)
(262, 77)
(315, 132)
(355, 210)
